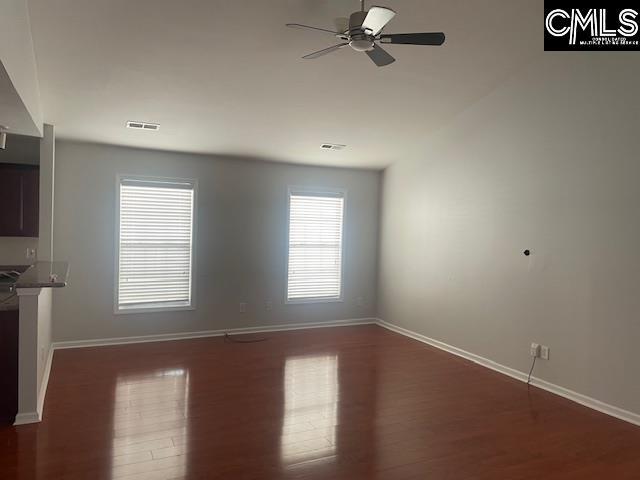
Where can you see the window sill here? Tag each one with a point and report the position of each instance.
(306, 301)
(152, 309)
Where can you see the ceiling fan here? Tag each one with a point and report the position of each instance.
(365, 35)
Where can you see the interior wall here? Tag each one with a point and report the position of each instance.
(13, 250)
(241, 241)
(47, 155)
(45, 311)
(34, 350)
(547, 162)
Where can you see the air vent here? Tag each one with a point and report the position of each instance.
(143, 126)
(332, 146)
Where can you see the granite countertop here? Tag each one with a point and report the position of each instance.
(44, 275)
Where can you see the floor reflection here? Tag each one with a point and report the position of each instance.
(150, 425)
(311, 392)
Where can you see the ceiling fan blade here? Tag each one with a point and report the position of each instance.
(377, 18)
(380, 56)
(307, 27)
(325, 51)
(435, 38)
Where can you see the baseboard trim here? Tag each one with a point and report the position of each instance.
(45, 382)
(35, 417)
(210, 333)
(26, 418)
(584, 400)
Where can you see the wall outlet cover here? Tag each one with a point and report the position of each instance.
(535, 350)
(544, 352)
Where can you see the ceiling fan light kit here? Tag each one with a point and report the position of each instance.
(365, 35)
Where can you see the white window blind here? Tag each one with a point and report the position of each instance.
(155, 244)
(315, 246)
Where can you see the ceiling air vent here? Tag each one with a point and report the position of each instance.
(332, 146)
(143, 126)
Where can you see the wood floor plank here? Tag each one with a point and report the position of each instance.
(338, 403)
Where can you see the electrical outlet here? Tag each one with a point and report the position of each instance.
(268, 305)
(544, 352)
(31, 253)
(535, 350)
(243, 307)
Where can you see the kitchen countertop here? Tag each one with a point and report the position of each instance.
(44, 275)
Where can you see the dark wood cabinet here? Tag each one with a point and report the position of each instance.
(19, 200)
(8, 366)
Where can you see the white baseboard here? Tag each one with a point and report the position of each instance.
(45, 381)
(26, 418)
(100, 342)
(584, 400)
(35, 417)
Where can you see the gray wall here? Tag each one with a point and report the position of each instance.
(34, 349)
(47, 155)
(45, 312)
(13, 250)
(549, 162)
(240, 243)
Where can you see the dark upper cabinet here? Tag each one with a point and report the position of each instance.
(19, 200)
(31, 202)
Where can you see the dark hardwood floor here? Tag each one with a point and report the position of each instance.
(341, 404)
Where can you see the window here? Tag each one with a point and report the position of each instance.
(155, 245)
(315, 246)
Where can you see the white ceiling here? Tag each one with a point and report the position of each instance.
(227, 78)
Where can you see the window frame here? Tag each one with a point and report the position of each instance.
(117, 310)
(317, 191)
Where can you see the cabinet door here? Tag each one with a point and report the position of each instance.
(11, 188)
(19, 200)
(30, 202)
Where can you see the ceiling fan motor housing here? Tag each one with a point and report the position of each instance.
(359, 40)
